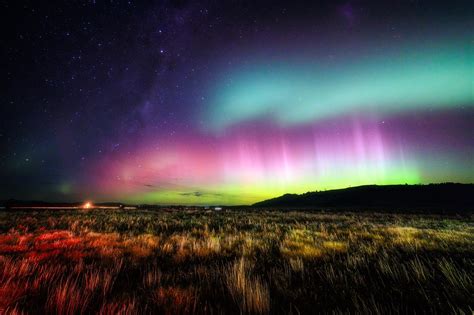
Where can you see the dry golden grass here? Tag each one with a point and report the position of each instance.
(248, 291)
(148, 262)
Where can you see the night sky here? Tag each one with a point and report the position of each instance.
(232, 102)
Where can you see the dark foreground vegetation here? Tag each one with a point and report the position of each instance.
(231, 262)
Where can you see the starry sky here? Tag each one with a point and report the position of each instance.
(232, 102)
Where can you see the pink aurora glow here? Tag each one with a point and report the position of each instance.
(250, 156)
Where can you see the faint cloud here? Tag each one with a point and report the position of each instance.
(199, 194)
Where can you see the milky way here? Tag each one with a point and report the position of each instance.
(205, 103)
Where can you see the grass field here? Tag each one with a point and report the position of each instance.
(148, 262)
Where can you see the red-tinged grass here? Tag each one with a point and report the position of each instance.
(13, 249)
(68, 297)
(53, 236)
(174, 300)
(10, 293)
(125, 306)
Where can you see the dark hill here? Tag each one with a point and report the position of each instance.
(447, 196)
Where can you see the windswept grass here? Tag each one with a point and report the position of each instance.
(192, 262)
(248, 291)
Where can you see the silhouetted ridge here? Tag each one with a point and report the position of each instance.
(448, 195)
